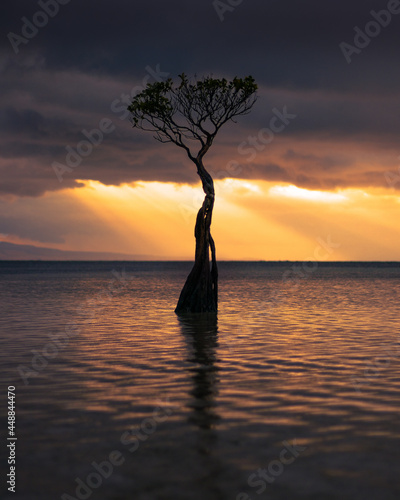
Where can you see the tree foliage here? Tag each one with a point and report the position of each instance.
(190, 113)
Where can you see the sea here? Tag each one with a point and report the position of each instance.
(292, 391)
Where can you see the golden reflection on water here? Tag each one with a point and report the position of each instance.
(262, 372)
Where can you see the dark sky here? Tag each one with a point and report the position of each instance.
(75, 71)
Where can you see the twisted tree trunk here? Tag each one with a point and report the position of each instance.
(200, 292)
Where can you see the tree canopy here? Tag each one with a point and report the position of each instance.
(190, 113)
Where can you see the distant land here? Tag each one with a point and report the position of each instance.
(12, 251)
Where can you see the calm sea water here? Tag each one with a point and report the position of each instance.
(293, 392)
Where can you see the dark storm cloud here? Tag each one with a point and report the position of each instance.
(82, 66)
(282, 42)
(269, 172)
(335, 163)
(27, 122)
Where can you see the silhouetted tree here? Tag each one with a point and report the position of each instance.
(190, 114)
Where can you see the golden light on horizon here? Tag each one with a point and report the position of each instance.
(253, 220)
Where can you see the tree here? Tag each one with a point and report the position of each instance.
(190, 114)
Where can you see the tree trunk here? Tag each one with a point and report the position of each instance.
(200, 292)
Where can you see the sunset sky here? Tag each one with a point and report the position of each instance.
(331, 173)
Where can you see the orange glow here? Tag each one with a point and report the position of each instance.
(253, 220)
(306, 194)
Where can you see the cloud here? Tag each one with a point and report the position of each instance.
(287, 43)
(74, 73)
(326, 162)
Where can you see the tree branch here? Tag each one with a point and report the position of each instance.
(191, 112)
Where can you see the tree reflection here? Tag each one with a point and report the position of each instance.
(201, 334)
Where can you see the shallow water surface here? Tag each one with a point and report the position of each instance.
(291, 393)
